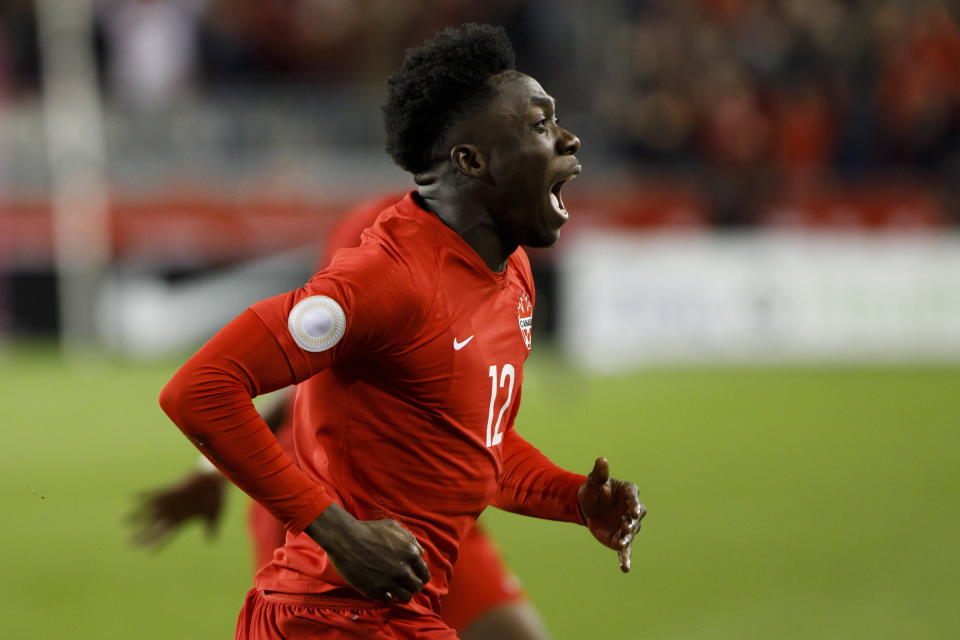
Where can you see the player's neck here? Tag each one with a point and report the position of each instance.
(467, 216)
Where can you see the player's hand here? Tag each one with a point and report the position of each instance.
(612, 510)
(160, 513)
(378, 558)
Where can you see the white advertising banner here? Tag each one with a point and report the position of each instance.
(632, 300)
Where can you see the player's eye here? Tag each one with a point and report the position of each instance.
(540, 125)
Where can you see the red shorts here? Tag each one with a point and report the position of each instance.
(279, 616)
(480, 582)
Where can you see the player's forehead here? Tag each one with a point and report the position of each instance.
(518, 93)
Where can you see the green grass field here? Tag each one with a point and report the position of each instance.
(784, 503)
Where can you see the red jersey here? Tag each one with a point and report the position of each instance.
(412, 354)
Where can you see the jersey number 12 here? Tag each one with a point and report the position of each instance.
(494, 434)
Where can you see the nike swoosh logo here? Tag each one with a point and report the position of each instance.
(460, 345)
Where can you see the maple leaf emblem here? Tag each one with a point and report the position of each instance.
(525, 318)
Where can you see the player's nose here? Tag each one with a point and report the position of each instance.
(568, 144)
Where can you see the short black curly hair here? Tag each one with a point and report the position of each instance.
(437, 83)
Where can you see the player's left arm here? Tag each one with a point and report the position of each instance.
(532, 485)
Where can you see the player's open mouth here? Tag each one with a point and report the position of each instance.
(555, 199)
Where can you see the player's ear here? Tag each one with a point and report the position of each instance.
(468, 160)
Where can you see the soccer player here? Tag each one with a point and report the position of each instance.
(485, 601)
(409, 350)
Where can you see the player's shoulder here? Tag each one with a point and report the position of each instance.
(409, 236)
(395, 261)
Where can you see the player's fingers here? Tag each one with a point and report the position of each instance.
(407, 536)
(160, 543)
(419, 567)
(408, 579)
(641, 511)
(416, 543)
(634, 510)
(137, 521)
(397, 595)
(141, 530)
(414, 554)
(158, 532)
(147, 499)
(139, 511)
(624, 557)
(600, 473)
(634, 506)
(155, 536)
(152, 529)
(403, 532)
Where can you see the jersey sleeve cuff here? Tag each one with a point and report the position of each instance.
(574, 481)
(317, 505)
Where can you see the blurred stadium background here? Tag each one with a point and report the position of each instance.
(754, 311)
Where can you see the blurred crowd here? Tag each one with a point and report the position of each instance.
(153, 52)
(782, 94)
(749, 97)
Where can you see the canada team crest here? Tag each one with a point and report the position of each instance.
(525, 318)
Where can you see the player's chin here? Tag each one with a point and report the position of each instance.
(542, 237)
(550, 223)
(543, 230)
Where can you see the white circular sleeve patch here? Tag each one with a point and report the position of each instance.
(317, 323)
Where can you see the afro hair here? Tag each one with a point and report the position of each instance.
(438, 83)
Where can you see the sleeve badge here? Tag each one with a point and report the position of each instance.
(317, 323)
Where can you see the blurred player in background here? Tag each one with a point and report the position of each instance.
(405, 347)
(485, 601)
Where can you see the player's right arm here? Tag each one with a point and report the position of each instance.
(211, 400)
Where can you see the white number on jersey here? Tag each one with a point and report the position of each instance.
(494, 434)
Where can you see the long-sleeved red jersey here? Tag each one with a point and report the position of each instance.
(411, 355)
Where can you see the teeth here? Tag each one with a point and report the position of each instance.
(556, 201)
